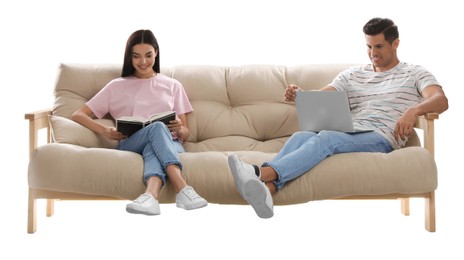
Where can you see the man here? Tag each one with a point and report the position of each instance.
(385, 96)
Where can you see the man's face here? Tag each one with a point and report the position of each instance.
(381, 52)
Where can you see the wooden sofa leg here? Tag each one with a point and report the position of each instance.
(32, 211)
(430, 212)
(50, 207)
(405, 206)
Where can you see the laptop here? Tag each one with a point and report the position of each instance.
(324, 110)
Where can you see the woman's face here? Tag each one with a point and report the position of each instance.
(143, 59)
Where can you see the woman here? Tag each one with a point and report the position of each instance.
(142, 91)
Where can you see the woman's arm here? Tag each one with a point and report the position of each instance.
(83, 116)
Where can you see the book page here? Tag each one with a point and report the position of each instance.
(162, 115)
(132, 119)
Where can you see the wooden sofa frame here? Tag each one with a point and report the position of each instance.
(39, 120)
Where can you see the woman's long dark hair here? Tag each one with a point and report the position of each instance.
(139, 37)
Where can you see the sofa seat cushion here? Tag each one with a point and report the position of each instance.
(108, 172)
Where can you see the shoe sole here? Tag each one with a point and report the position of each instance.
(258, 195)
(182, 206)
(136, 211)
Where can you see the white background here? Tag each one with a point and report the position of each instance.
(37, 35)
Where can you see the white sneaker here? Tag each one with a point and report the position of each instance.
(251, 187)
(188, 199)
(145, 204)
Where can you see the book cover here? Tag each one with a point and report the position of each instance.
(128, 125)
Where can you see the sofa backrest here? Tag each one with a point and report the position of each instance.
(235, 107)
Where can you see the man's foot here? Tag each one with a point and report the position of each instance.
(188, 199)
(250, 187)
(145, 204)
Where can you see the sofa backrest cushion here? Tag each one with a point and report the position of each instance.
(64, 130)
(235, 107)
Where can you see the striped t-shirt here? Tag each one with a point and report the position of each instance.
(378, 99)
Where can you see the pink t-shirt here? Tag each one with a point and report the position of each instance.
(131, 96)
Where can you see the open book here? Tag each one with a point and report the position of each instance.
(128, 125)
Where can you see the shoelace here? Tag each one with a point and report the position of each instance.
(190, 194)
(142, 198)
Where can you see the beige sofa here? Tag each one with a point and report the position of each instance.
(237, 109)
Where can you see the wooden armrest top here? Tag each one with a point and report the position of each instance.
(38, 114)
(422, 121)
(431, 116)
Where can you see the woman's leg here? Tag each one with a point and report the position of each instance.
(161, 160)
(158, 150)
(154, 185)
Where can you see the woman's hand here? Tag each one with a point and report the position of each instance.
(112, 134)
(175, 126)
(180, 127)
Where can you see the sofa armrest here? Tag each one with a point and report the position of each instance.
(426, 123)
(37, 120)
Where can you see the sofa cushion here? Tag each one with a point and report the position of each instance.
(114, 173)
(77, 169)
(67, 131)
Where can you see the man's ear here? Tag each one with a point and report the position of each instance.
(396, 43)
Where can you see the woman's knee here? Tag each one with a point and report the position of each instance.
(157, 127)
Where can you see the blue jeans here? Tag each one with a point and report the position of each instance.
(154, 142)
(304, 150)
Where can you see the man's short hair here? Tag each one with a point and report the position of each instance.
(382, 25)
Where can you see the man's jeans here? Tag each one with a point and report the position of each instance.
(304, 150)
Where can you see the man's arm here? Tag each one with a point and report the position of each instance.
(434, 101)
(290, 91)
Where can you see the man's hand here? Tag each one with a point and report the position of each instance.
(405, 125)
(290, 92)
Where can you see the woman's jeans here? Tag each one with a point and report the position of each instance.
(304, 150)
(154, 142)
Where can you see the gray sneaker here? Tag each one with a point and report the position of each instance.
(145, 204)
(188, 199)
(250, 187)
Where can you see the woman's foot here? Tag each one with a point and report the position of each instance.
(145, 204)
(188, 199)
